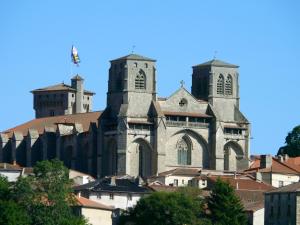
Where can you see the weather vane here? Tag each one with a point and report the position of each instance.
(133, 47)
(182, 83)
(215, 54)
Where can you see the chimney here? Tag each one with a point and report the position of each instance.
(113, 181)
(265, 161)
(285, 157)
(237, 185)
(281, 158)
(79, 194)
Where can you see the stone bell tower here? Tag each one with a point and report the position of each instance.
(218, 83)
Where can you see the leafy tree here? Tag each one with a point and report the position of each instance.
(292, 140)
(225, 207)
(10, 212)
(47, 195)
(162, 208)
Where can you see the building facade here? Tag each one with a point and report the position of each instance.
(139, 133)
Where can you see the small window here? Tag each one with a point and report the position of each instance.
(190, 184)
(220, 85)
(146, 65)
(183, 102)
(111, 196)
(182, 181)
(52, 113)
(175, 182)
(203, 182)
(280, 183)
(72, 95)
(140, 81)
(135, 64)
(99, 195)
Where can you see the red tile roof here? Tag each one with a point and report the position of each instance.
(39, 124)
(243, 183)
(81, 201)
(277, 167)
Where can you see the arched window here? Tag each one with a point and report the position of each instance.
(184, 151)
(220, 85)
(228, 85)
(140, 80)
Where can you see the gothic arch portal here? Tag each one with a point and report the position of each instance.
(195, 143)
(233, 156)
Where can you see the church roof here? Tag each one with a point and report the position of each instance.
(134, 57)
(217, 63)
(60, 87)
(39, 124)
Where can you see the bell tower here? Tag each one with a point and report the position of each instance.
(132, 85)
(217, 82)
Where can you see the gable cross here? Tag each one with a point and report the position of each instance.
(181, 83)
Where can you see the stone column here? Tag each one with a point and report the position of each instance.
(31, 138)
(3, 141)
(44, 146)
(17, 138)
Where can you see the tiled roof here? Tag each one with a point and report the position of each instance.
(181, 172)
(59, 87)
(277, 167)
(218, 63)
(243, 183)
(81, 201)
(39, 124)
(134, 57)
(164, 188)
(121, 185)
(295, 187)
(169, 113)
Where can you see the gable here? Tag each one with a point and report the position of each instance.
(183, 101)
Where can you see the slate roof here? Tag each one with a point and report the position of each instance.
(134, 57)
(59, 87)
(39, 124)
(217, 63)
(121, 186)
(295, 187)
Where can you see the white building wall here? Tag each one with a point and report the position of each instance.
(285, 178)
(97, 216)
(258, 217)
(120, 200)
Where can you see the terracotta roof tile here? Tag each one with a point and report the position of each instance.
(81, 201)
(243, 183)
(39, 124)
(277, 167)
(59, 87)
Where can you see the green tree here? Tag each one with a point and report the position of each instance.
(162, 208)
(225, 207)
(47, 195)
(292, 140)
(10, 212)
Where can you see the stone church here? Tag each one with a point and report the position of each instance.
(138, 133)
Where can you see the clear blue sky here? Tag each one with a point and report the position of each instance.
(260, 36)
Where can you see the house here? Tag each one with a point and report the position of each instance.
(80, 178)
(275, 171)
(282, 205)
(118, 192)
(96, 213)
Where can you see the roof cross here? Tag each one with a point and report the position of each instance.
(182, 83)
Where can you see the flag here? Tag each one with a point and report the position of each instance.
(75, 56)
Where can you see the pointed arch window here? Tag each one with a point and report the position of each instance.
(140, 81)
(228, 85)
(220, 85)
(184, 151)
